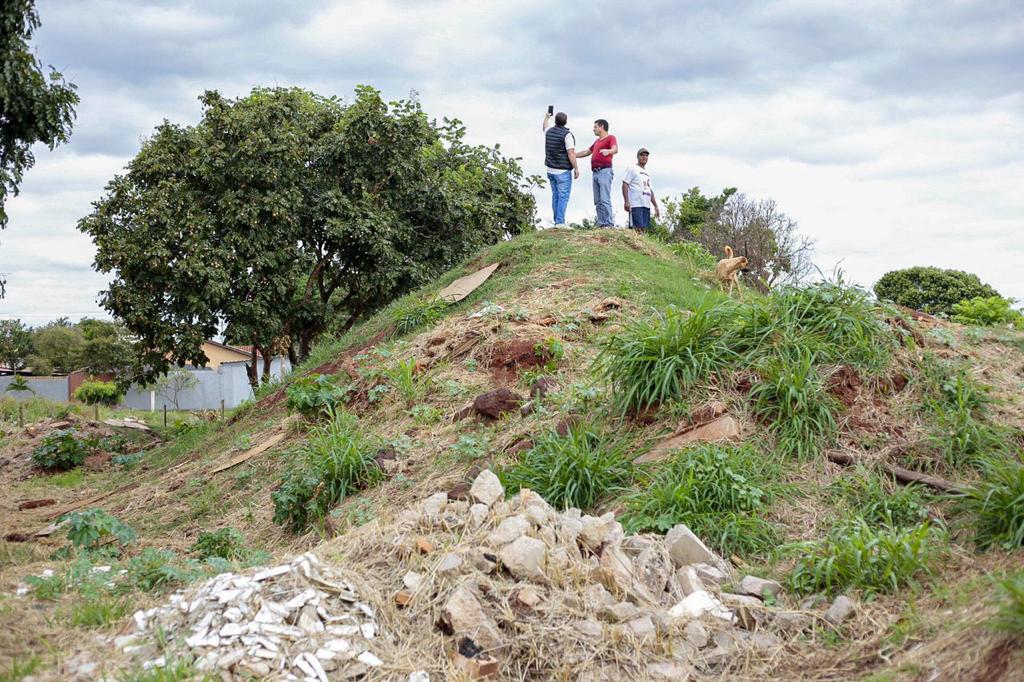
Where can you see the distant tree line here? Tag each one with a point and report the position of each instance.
(95, 346)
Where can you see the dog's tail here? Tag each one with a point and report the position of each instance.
(728, 252)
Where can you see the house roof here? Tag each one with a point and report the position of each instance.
(241, 350)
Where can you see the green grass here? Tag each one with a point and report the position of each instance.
(861, 556)
(995, 504)
(720, 492)
(20, 668)
(1010, 598)
(65, 479)
(877, 500)
(575, 470)
(791, 398)
(410, 385)
(98, 611)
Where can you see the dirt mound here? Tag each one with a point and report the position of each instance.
(844, 385)
(507, 358)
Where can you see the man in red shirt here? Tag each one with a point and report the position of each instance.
(601, 152)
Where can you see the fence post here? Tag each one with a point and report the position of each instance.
(21, 415)
(96, 412)
(222, 409)
(165, 415)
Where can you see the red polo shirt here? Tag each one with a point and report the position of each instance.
(597, 159)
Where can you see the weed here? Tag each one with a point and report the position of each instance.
(407, 381)
(94, 531)
(1010, 617)
(226, 543)
(575, 470)
(98, 611)
(791, 397)
(879, 501)
(470, 364)
(127, 461)
(453, 389)
(659, 359)
(20, 668)
(316, 394)
(470, 448)
(61, 450)
(552, 351)
(718, 491)
(860, 556)
(337, 460)
(418, 313)
(377, 393)
(996, 504)
(425, 415)
(158, 569)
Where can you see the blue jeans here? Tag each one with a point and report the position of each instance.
(640, 217)
(603, 196)
(561, 185)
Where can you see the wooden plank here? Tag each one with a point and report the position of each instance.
(464, 286)
(251, 452)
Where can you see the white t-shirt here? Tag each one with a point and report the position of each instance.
(570, 143)
(639, 181)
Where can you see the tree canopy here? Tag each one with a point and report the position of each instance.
(34, 107)
(15, 343)
(97, 346)
(284, 212)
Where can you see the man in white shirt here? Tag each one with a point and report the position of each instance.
(637, 193)
(560, 160)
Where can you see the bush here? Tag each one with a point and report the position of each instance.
(338, 459)
(791, 397)
(695, 254)
(575, 470)
(718, 491)
(932, 290)
(996, 504)
(159, 568)
(61, 450)
(99, 393)
(95, 531)
(315, 395)
(660, 358)
(1010, 617)
(879, 501)
(226, 543)
(860, 556)
(987, 312)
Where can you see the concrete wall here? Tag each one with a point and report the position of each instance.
(51, 388)
(228, 382)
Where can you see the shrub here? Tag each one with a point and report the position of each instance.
(932, 290)
(95, 531)
(658, 359)
(19, 384)
(718, 491)
(575, 470)
(338, 459)
(1010, 617)
(61, 450)
(314, 395)
(996, 504)
(879, 501)
(418, 313)
(99, 393)
(987, 311)
(695, 254)
(226, 543)
(159, 568)
(791, 397)
(858, 555)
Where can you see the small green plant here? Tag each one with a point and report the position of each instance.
(95, 531)
(1010, 617)
(575, 470)
(792, 399)
(659, 359)
(127, 461)
(720, 492)
(418, 313)
(470, 448)
(551, 351)
(879, 501)
(337, 460)
(996, 504)
(98, 610)
(19, 384)
(20, 668)
(956, 404)
(425, 415)
(226, 543)
(99, 393)
(61, 450)
(860, 556)
(987, 311)
(315, 395)
(159, 569)
(405, 378)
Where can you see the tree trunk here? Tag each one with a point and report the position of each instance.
(268, 359)
(292, 356)
(250, 369)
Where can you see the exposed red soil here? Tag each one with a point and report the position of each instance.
(844, 385)
(507, 358)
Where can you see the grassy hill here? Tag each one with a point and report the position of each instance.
(822, 396)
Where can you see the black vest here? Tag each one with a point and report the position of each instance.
(555, 153)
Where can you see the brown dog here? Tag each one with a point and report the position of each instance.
(727, 270)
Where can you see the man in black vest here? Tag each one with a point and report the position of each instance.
(560, 159)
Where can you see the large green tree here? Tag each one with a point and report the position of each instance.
(15, 343)
(283, 213)
(56, 348)
(34, 106)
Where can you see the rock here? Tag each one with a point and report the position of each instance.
(674, 670)
(494, 404)
(487, 489)
(480, 667)
(618, 567)
(653, 567)
(813, 602)
(596, 596)
(449, 562)
(688, 580)
(791, 622)
(542, 386)
(842, 609)
(597, 531)
(696, 634)
(686, 548)
(730, 599)
(477, 515)
(642, 627)
(424, 546)
(620, 612)
(759, 587)
(698, 604)
(708, 412)
(467, 618)
(510, 529)
(589, 629)
(528, 596)
(535, 508)
(524, 558)
(435, 504)
(723, 428)
(712, 575)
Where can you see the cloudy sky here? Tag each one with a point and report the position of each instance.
(892, 131)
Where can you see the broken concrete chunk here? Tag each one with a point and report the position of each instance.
(487, 489)
(528, 596)
(791, 622)
(759, 587)
(699, 604)
(597, 531)
(412, 580)
(674, 670)
(696, 634)
(525, 558)
(467, 618)
(449, 563)
(621, 612)
(508, 530)
(642, 627)
(435, 504)
(686, 548)
(689, 581)
(841, 610)
(477, 515)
